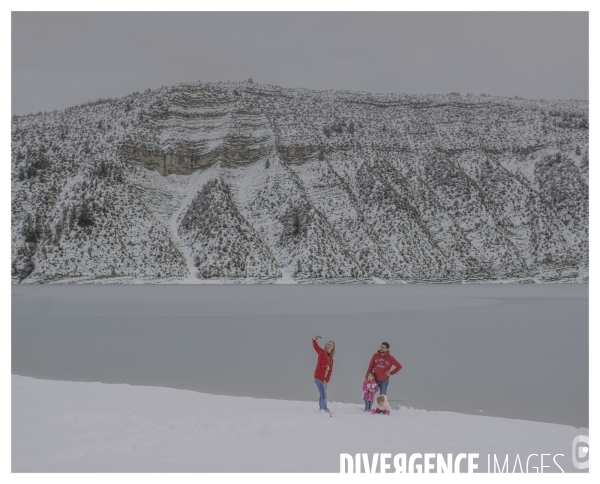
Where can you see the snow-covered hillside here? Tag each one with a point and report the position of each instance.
(241, 182)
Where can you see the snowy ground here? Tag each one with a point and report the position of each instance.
(60, 426)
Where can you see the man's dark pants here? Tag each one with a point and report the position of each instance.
(383, 384)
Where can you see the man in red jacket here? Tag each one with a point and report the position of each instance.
(381, 365)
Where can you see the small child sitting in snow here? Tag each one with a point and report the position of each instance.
(370, 387)
(381, 405)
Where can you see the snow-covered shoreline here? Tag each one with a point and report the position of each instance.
(61, 426)
(288, 280)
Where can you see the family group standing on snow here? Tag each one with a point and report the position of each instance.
(377, 377)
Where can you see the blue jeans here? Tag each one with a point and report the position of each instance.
(322, 394)
(383, 384)
(368, 405)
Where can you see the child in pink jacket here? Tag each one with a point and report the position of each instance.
(370, 387)
(381, 405)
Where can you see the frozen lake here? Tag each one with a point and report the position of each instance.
(516, 351)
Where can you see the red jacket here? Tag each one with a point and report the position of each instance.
(324, 363)
(382, 363)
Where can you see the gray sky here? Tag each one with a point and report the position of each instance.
(60, 59)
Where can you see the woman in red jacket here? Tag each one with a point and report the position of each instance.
(323, 370)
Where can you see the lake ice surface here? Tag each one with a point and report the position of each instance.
(510, 350)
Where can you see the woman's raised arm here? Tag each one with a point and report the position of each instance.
(316, 346)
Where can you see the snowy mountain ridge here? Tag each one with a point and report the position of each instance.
(244, 182)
